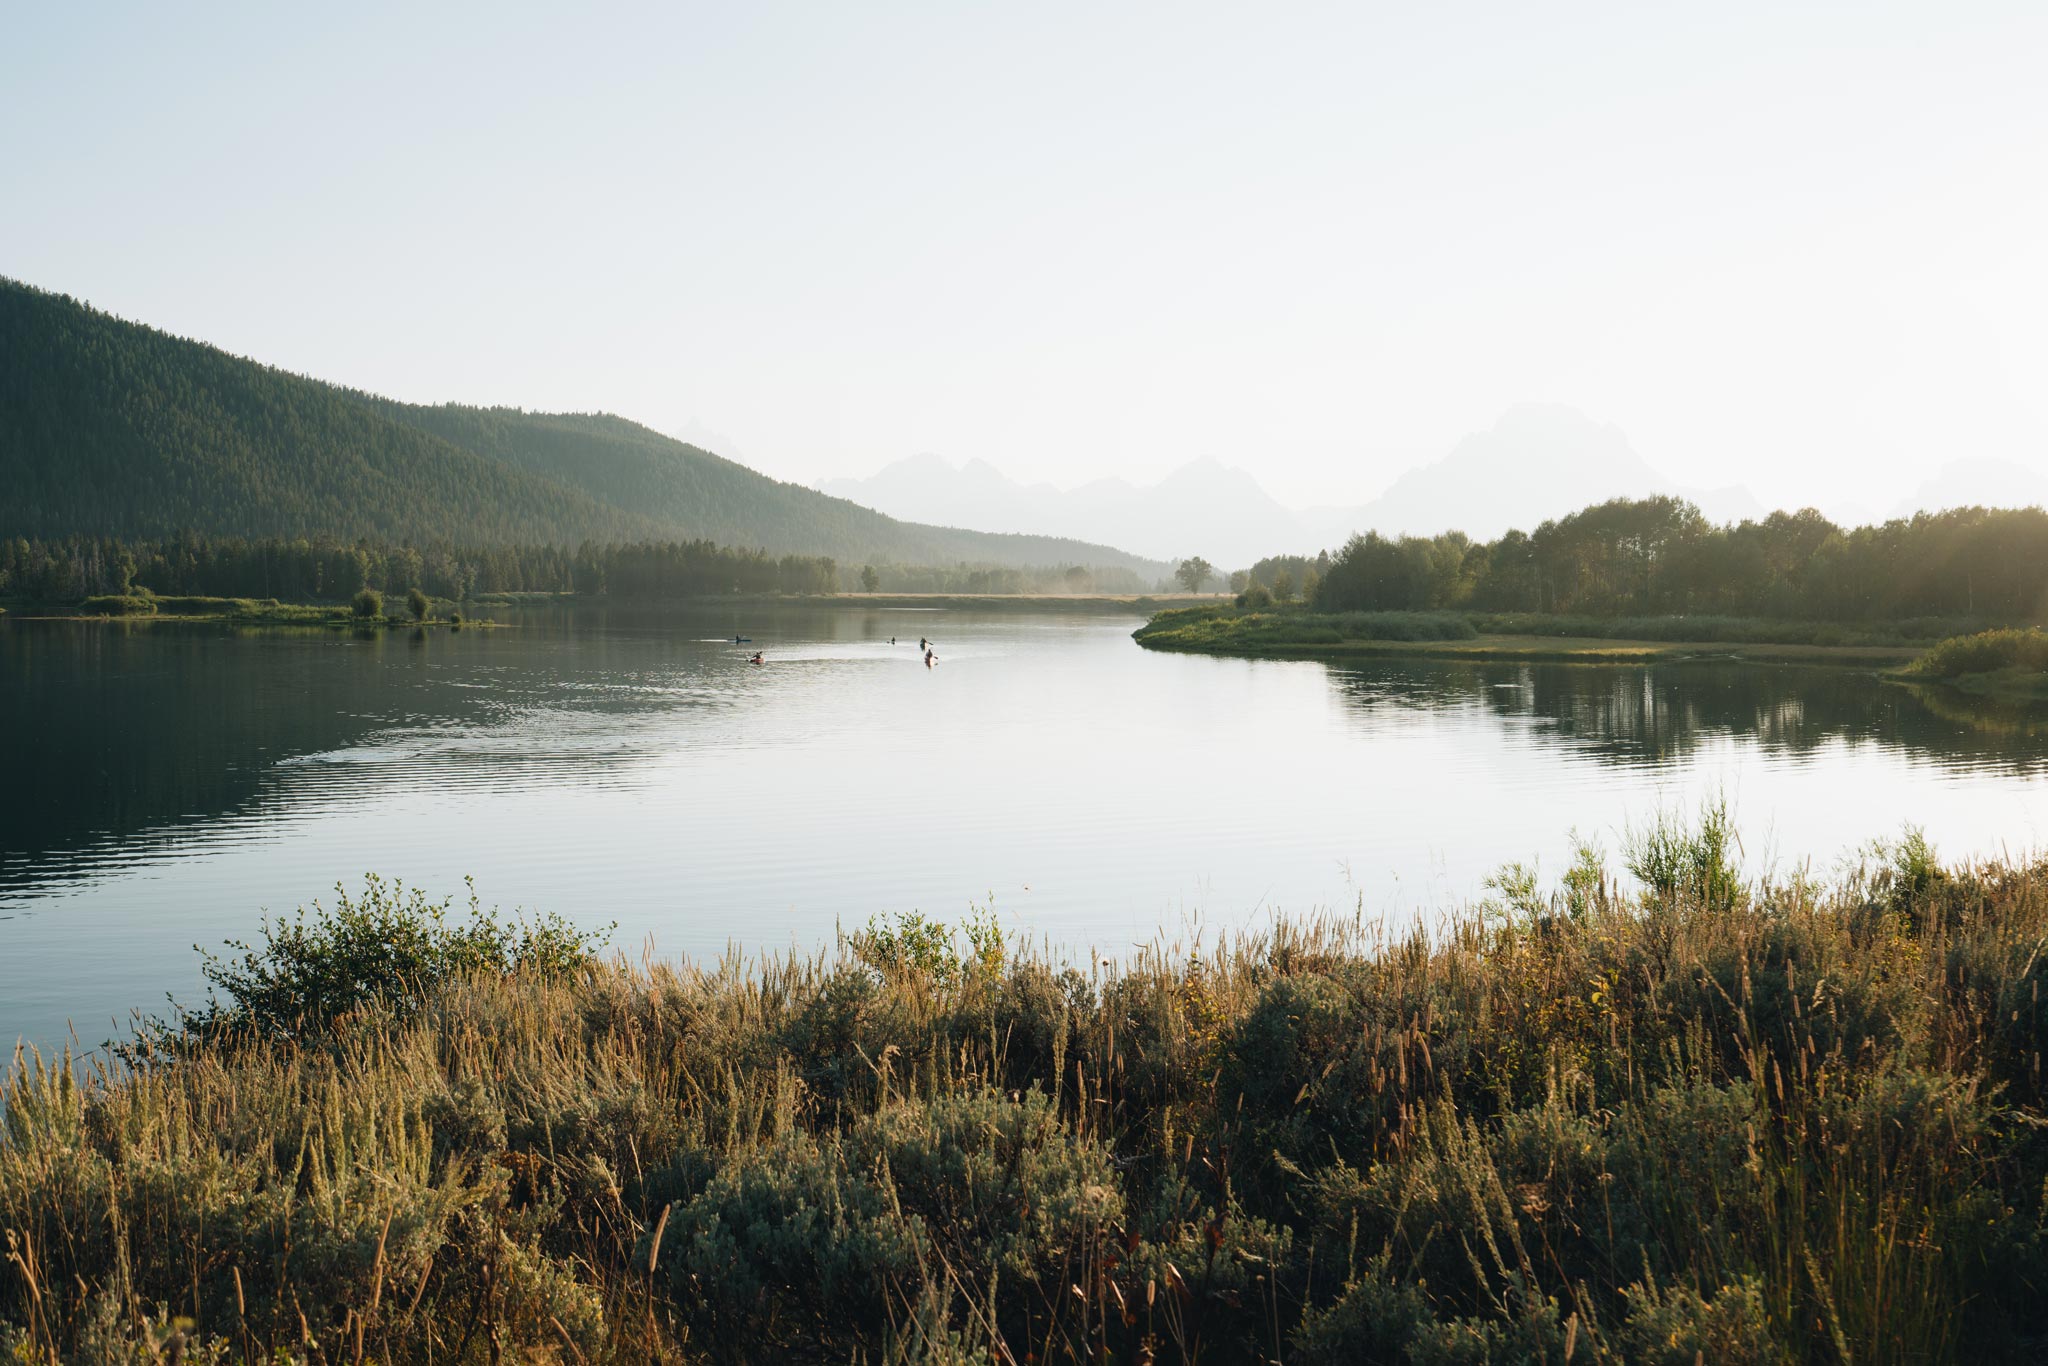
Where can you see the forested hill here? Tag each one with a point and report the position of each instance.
(111, 428)
(626, 465)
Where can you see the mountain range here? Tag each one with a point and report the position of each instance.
(108, 427)
(1981, 481)
(1539, 461)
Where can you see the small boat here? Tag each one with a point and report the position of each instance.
(743, 640)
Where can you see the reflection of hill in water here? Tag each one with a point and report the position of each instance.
(146, 733)
(162, 729)
(1638, 715)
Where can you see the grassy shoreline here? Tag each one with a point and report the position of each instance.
(1118, 603)
(235, 611)
(1226, 631)
(1707, 1119)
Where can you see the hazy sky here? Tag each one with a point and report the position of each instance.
(1803, 247)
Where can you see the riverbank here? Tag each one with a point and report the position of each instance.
(1223, 630)
(1114, 603)
(1713, 1119)
(238, 612)
(269, 611)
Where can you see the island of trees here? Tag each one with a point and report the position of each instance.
(1644, 570)
(1660, 556)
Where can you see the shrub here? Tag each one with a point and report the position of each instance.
(392, 945)
(1795, 1122)
(1983, 653)
(1673, 860)
(119, 605)
(823, 1238)
(1678, 1326)
(367, 604)
(416, 603)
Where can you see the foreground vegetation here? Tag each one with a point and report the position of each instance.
(2009, 664)
(1709, 1120)
(1254, 626)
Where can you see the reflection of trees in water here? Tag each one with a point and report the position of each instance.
(149, 728)
(119, 730)
(2002, 717)
(1655, 714)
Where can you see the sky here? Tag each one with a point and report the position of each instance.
(1798, 247)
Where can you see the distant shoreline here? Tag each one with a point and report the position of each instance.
(1223, 631)
(238, 612)
(1563, 650)
(259, 612)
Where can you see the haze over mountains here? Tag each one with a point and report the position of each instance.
(1539, 461)
(113, 428)
(1979, 480)
(109, 427)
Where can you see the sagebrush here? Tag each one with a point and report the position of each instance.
(1700, 1119)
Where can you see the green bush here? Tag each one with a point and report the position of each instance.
(392, 946)
(118, 605)
(1673, 859)
(1677, 1326)
(367, 604)
(2025, 651)
(416, 603)
(823, 1238)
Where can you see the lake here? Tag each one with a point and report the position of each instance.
(166, 783)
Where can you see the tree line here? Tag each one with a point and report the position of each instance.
(306, 570)
(976, 579)
(1661, 556)
(315, 570)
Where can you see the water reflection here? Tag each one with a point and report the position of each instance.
(169, 781)
(1659, 715)
(133, 736)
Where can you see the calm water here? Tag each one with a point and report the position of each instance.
(165, 783)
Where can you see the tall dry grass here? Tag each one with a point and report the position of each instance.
(1713, 1121)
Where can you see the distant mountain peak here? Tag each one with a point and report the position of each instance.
(1538, 461)
(1985, 481)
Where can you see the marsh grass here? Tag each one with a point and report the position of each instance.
(1252, 627)
(1707, 1120)
(1225, 628)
